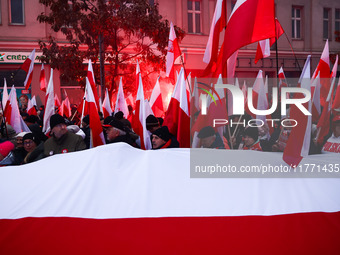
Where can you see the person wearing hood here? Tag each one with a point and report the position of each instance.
(34, 147)
(161, 138)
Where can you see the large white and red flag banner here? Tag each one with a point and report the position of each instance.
(97, 135)
(136, 207)
(107, 111)
(299, 139)
(28, 66)
(173, 53)
(120, 101)
(177, 117)
(249, 22)
(156, 101)
(42, 79)
(91, 78)
(49, 105)
(217, 25)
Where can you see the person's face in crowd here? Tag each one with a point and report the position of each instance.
(112, 133)
(19, 142)
(207, 141)
(153, 129)
(29, 145)
(336, 129)
(248, 141)
(23, 101)
(157, 141)
(59, 130)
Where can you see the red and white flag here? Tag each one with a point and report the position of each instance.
(263, 50)
(65, 108)
(42, 79)
(324, 69)
(4, 95)
(56, 101)
(177, 117)
(27, 66)
(31, 107)
(107, 111)
(156, 101)
(12, 113)
(282, 79)
(137, 74)
(97, 135)
(299, 139)
(173, 53)
(316, 106)
(139, 118)
(249, 22)
(120, 101)
(217, 25)
(49, 105)
(91, 77)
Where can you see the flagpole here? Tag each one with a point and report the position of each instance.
(82, 111)
(291, 47)
(185, 72)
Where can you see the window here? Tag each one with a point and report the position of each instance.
(16, 12)
(326, 23)
(194, 17)
(337, 23)
(296, 22)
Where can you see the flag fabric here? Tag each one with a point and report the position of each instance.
(4, 95)
(91, 77)
(107, 111)
(27, 66)
(177, 117)
(120, 101)
(49, 105)
(137, 74)
(12, 113)
(31, 108)
(139, 118)
(56, 101)
(249, 22)
(115, 209)
(65, 108)
(173, 53)
(156, 101)
(299, 139)
(263, 50)
(217, 25)
(324, 69)
(97, 135)
(316, 105)
(282, 79)
(195, 101)
(42, 79)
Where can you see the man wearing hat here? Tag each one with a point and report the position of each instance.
(162, 138)
(116, 132)
(210, 139)
(62, 141)
(152, 123)
(333, 143)
(251, 139)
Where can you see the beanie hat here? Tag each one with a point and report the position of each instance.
(113, 122)
(21, 134)
(119, 115)
(31, 136)
(163, 133)
(206, 132)
(56, 119)
(252, 132)
(151, 121)
(6, 148)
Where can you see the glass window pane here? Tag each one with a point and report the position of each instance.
(325, 29)
(197, 5)
(17, 12)
(337, 26)
(337, 13)
(293, 29)
(189, 5)
(198, 23)
(298, 13)
(298, 35)
(325, 13)
(293, 12)
(190, 23)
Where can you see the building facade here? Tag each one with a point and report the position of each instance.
(307, 25)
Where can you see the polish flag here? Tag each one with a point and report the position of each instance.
(30, 107)
(324, 69)
(65, 108)
(139, 118)
(148, 109)
(56, 101)
(137, 75)
(177, 117)
(325, 118)
(107, 111)
(123, 206)
(97, 135)
(4, 95)
(249, 22)
(12, 113)
(217, 25)
(335, 67)
(263, 50)
(42, 79)
(299, 139)
(27, 66)
(173, 53)
(120, 101)
(91, 77)
(156, 101)
(282, 78)
(49, 105)
(316, 106)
